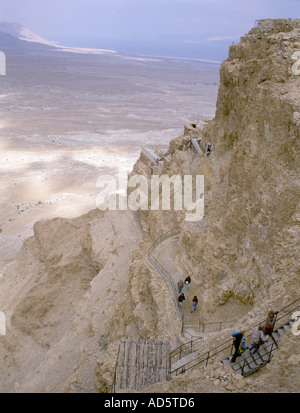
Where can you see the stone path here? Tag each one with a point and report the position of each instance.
(168, 254)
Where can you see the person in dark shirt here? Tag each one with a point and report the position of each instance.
(194, 305)
(187, 282)
(181, 298)
(239, 344)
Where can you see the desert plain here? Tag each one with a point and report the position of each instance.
(69, 115)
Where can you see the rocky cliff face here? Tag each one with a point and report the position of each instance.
(251, 229)
(80, 285)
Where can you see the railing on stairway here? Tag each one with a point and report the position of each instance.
(166, 275)
(269, 349)
(163, 272)
(187, 334)
(196, 146)
(184, 349)
(151, 155)
(163, 237)
(226, 347)
(219, 325)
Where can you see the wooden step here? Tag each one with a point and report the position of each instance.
(141, 363)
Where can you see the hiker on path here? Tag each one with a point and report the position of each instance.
(239, 344)
(180, 299)
(187, 282)
(270, 323)
(180, 286)
(258, 338)
(208, 148)
(194, 305)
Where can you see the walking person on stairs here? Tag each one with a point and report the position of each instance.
(239, 344)
(258, 338)
(270, 323)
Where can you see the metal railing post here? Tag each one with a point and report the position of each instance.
(243, 367)
(202, 326)
(270, 354)
(276, 313)
(207, 358)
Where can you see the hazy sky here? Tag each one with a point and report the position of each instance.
(200, 29)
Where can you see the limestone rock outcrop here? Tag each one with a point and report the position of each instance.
(252, 214)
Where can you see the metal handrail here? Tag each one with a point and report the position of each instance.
(179, 349)
(163, 237)
(273, 346)
(167, 276)
(163, 272)
(153, 157)
(226, 346)
(184, 349)
(220, 323)
(287, 306)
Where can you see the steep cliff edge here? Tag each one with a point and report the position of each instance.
(80, 285)
(250, 233)
(246, 246)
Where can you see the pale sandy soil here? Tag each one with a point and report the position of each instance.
(48, 180)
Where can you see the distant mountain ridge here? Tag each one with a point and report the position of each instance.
(21, 33)
(14, 29)
(13, 35)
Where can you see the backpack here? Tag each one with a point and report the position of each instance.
(242, 346)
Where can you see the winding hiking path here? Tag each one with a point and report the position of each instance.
(168, 255)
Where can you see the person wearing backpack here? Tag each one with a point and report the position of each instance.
(239, 344)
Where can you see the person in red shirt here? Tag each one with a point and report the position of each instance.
(270, 323)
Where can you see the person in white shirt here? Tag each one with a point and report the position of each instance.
(258, 338)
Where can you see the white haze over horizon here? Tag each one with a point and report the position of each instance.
(194, 29)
